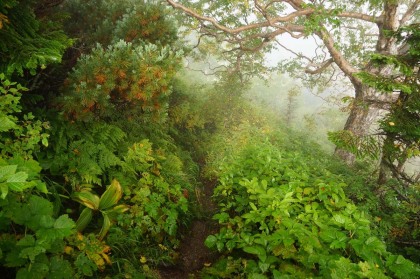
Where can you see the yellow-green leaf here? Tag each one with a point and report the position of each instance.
(105, 226)
(120, 208)
(87, 199)
(84, 219)
(111, 196)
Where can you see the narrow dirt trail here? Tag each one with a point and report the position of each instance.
(193, 254)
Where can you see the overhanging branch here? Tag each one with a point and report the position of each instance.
(319, 68)
(215, 23)
(361, 16)
(338, 57)
(410, 11)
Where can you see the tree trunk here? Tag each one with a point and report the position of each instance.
(367, 108)
(383, 168)
(369, 105)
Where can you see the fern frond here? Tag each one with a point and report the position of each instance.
(106, 158)
(83, 152)
(361, 146)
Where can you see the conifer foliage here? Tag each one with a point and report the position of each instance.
(28, 42)
(107, 21)
(120, 78)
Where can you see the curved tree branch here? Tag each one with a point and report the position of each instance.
(296, 4)
(242, 28)
(410, 11)
(319, 68)
(270, 27)
(338, 57)
(361, 16)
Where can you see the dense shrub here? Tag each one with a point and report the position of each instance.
(285, 216)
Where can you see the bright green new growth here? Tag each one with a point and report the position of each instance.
(291, 218)
(38, 236)
(20, 134)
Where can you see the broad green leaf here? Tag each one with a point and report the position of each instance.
(45, 221)
(40, 206)
(44, 141)
(230, 245)
(28, 240)
(253, 206)
(219, 246)
(64, 226)
(263, 266)
(59, 229)
(87, 198)
(34, 271)
(7, 170)
(256, 250)
(31, 252)
(271, 192)
(4, 190)
(85, 265)
(17, 182)
(278, 275)
(342, 268)
(288, 195)
(106, 225)
(6, 124)
(84, 219)
(60, 269)
(33, 214)
(31, 167)
(221, 217)
(339, 219)
(210, 241)
(375, 244)
(331, 234)
(116, 210)
(369, 270)
(257, 276)
(41, 186)
(308, 191)
(111, 196)
(402, 267)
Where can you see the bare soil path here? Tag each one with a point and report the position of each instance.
(193, 254)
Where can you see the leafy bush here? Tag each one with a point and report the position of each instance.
(284, 216)
(32, 235)
(106, 22)
(83, 152)
(29, 41)
(121, 79)
(394, 198)
(158, 206)
(21, 134)
(116, 96)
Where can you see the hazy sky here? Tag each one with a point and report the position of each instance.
(306, 46)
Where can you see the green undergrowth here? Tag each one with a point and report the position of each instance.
(284, 213)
